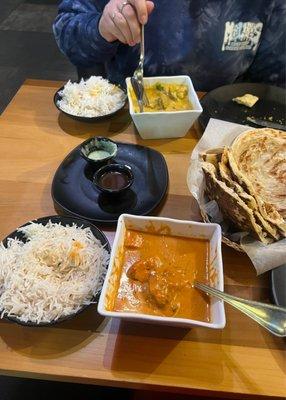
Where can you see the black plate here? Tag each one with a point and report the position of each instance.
(64, 221)
(74, 193)
(58, 97)
(278, 285)
(218, 104)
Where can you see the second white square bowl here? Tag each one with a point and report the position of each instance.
(212, 232)
(166, 124)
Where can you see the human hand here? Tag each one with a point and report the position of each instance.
(121, 20)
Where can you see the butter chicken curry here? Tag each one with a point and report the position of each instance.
(157, 273)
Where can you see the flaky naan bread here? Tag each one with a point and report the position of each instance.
(267, 210)
(212, 156)
(231, 205)
(226, 177)
(260, 156)
(248, 182)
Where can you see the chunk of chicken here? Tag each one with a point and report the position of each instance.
(149, 271)
(158, 289)
(139, 271)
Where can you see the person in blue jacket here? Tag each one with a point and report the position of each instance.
(216, 42)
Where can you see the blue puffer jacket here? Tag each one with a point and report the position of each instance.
(216, 42)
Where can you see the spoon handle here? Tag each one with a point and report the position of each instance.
(142, 47)
(271, 317)
(138, 90)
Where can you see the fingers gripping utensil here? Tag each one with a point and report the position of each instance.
(272, 318)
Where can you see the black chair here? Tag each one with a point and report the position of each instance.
(85, 73)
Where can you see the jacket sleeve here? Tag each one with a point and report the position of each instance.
(76, 32)
(269, 65)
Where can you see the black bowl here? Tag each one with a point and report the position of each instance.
(278, 285)
(120, 168)
(218, 104)
(64, 221)
(58, 97)
(98, 143)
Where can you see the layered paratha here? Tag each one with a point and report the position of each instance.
(225, 175)
(231, 205)
(260, 155)
(242, 178)
(266, 209)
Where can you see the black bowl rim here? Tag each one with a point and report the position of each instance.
(205, 114)
(57, 97)
(275, 289)
(72, 219)
(102, 160)
(114, 166)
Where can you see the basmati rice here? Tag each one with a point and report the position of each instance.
(57, 271)
(91, 98)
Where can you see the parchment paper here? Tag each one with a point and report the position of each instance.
(217, 134)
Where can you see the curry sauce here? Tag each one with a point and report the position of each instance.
(157, 273)
(164, 97)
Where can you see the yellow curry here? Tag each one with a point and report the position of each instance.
(157, 274)
(164, 97)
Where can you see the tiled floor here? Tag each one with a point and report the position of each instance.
(27, 46)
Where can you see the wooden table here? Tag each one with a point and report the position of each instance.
(240, 359)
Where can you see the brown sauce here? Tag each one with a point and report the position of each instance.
(114, 180)
(157, 274)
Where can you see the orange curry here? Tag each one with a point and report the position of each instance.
(157, 272)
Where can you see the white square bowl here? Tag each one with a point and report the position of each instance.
(176, 228)
(166, 124)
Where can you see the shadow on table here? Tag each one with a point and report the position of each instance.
(171, 145)
(280, 343)
(142, 348)
(54, 341)
(125, 339)
(84, 130)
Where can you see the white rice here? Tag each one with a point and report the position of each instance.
(57, 271)
(91, 98)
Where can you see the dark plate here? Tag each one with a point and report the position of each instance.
(64, 221)
(74, 193)
(58, 97)
(218, 104)
(278, 285)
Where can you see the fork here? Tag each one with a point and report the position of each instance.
(138, 73)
